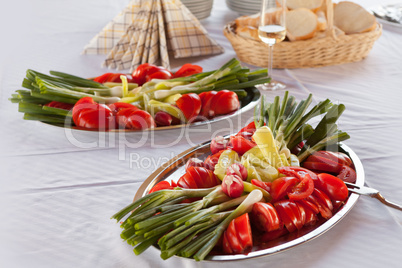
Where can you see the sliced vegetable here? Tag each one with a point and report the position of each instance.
(190, 105)
(265, 217)
(332, 186)
(238, 236)
(133, 118)
(197, 177)
(187, 70)
(240, 144)
(223, 102)
(89, 114)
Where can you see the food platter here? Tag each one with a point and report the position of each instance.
(247, 103)
(174, 168)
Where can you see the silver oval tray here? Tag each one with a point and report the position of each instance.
(246, 104)
(174, 169)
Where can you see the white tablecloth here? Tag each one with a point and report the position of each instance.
(58, 189)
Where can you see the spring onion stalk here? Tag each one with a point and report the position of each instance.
(162, 196)
(78, 80)
(44, 118)
(174, 241)
(214, 209)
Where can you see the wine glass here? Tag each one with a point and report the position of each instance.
(272, 30)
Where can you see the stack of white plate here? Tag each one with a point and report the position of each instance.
(244, 7)
(200, 8)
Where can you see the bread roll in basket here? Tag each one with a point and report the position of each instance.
(343, 33)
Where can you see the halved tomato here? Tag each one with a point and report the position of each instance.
(265, 217)
(237, 238)
(240, 144)
(198, 177)
(89, 114)
(281, 186)
(190, 105)
(187, 70)
(332, 186)
(224, 102)
(162, 185)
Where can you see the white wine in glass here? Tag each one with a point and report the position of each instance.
(272, 30)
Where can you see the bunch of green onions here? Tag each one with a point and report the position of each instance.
(185, 229)
(288, 121)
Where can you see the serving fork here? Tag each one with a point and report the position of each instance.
(362, 190)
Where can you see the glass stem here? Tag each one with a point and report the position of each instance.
(270, 60)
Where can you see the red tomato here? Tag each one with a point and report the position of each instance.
(109, 77)
(83, 104)
(332, 186)
(265, 217)
(289, 213)
(89, 114)
(206, 98)
(224, 102)
(297, 171)
(310, 215)
(335, 163)
(232, 239)
(303, 189)
(237, 238)
(262, 184)
(161, 74)
(337, 157)
(249, 128)
(145, 72)
(321, 164)
(323, 202)
(134, 118)
(226, 245)
(102, 78)
(243, 230)
(187, 70)
(140, 119)
(190, 105)
(347, 174)
(117, 106)
(115, 78)
(162, 185)
(281, 186)
(60, 105)
(310, 205)
(212, 160)
(198, 177)
(240, 144)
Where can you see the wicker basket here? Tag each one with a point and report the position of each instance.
(316, 52)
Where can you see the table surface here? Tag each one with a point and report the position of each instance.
(59, 188)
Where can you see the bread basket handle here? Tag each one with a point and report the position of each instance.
(330, 18)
